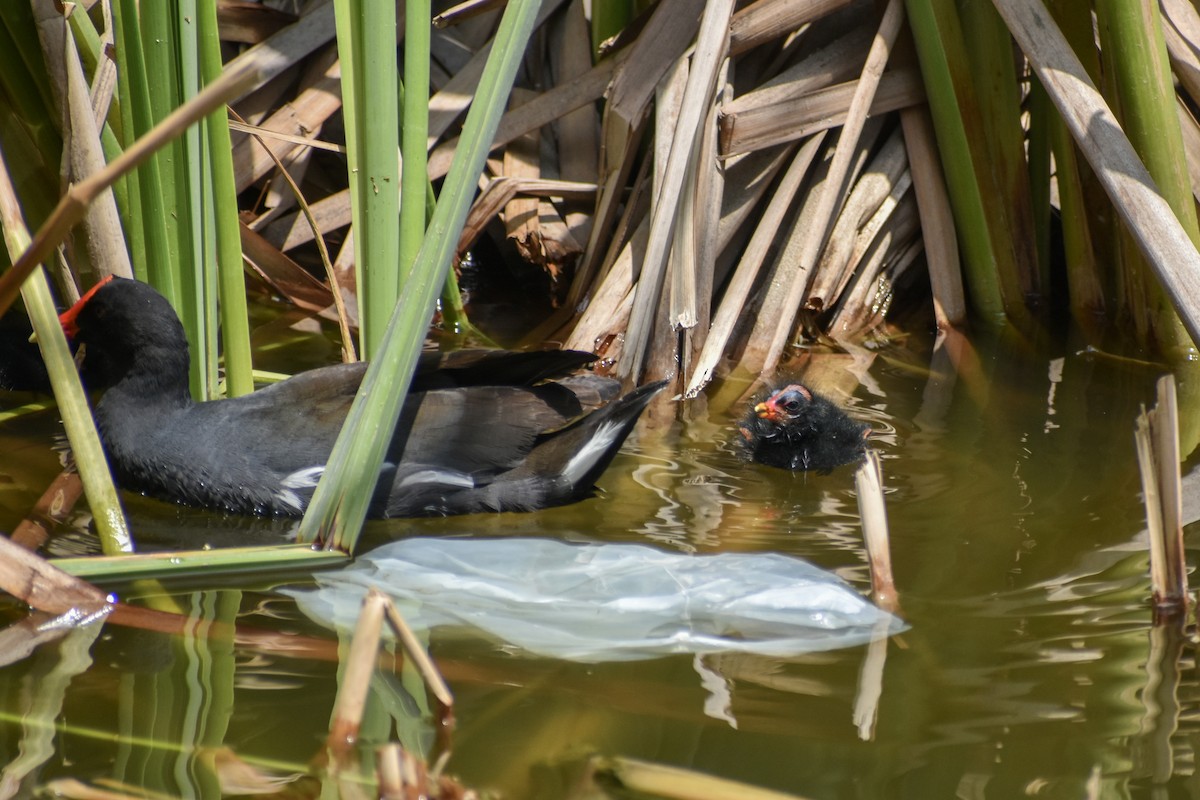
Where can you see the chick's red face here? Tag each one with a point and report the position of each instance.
(785, 404)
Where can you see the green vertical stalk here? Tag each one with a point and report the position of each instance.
(1131, 34)
(194, 205)
(1002, 163)
(347, 23)
(160, 80)
(147, 191)
(235, 326)
(368, 30)
(344, 493)
(415, 101)
(133, 222)
(954, 108)
(454, 312)
(1085, 205)
(1084, 282)
(72, 402)
(1132, 38)
(416, 193)
(102, 498)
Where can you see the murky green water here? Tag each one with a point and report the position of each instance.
(1013, 502)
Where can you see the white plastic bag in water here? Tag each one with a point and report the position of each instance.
(605, 602)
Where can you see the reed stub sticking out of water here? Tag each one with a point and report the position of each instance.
(1157, 437)
(868, 479)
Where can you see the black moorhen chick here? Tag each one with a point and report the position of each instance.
(795, 428)
(478, 432)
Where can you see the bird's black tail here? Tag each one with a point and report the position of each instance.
(579, 453)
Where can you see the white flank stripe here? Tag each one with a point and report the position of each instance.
(444, 477)
(592, 451)
(300, 479)
(305, 478)
(290, 499)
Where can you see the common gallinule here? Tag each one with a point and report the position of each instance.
(482, 431)
(796, 428)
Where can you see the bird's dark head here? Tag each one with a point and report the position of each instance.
(785, 404)
(124, 324)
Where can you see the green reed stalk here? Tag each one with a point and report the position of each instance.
(193, 199)
(1000, 156)
(415, 101)
(1084, 276)
(187, 204)
(155, 39)
(454, 312)
(111, 526)
(1132, 37)
(1131, 34)
(208, 563)
(72, 402)
(1083, 203)
(135, 223)
(235, 325)
(956, 118)
(367, 44)
(340, 504)
(146, 192)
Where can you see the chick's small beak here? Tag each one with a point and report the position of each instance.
(767, 410)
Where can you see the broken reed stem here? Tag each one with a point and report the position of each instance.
(1165, 427)
(356, 679)
(1156, 436)
(420, 659)
(51, 509)
(73, 205)
(361, 662)
(870, 681)
(390, 771)
(402, 775)
(261, 133)
(464, 11)
(869, 482)
(42, 586)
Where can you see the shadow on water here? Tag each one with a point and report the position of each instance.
(1015, 521)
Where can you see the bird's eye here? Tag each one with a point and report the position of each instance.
(792, 405)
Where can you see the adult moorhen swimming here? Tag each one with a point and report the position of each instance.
(795, 428)
(481, 431)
